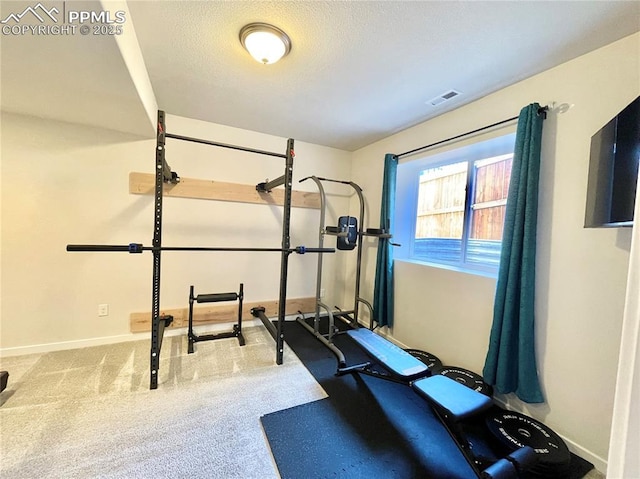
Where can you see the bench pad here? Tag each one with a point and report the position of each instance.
(395, 359)
(456, 399)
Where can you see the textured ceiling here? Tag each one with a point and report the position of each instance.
(358, 70)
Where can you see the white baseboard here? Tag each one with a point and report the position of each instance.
(599, 463)
(64, 345)
(104, 340)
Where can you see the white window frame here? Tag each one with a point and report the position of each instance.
(406, 209)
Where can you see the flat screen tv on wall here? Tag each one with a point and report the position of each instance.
(613, 170)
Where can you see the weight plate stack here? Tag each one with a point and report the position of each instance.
(514, 430)
(433, 363)
(468, 378)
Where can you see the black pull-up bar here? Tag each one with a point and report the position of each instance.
(223, 145)
(139, 248)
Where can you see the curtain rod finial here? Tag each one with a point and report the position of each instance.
(552, 106)
(563, 107)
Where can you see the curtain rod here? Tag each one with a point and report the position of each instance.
(541, 111)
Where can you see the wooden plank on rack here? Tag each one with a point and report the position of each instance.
(219, 313)
(144, 184)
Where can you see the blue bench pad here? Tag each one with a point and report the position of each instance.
(395, 359)
(455, 398)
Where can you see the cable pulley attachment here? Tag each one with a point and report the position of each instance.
(139, 248)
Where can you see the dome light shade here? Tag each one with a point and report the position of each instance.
(266, 43)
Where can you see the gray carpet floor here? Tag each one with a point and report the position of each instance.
(89, 413)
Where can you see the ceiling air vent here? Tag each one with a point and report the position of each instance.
(444, 97)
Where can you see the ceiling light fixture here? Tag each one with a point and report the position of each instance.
(266, 43)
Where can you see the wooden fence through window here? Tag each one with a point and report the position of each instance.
(441, 199)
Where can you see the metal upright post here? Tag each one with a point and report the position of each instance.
(321, 232)
(156, 336)
(284, 266)
(357, 300)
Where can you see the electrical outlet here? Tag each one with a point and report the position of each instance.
(322, 292)
(103, 310)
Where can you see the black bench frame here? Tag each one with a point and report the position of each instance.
(215, 298)
(443, 394)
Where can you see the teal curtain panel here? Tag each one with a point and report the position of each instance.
(383, 287)
(510, 364)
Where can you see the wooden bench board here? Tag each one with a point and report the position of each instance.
(144, 184)
(218, 313)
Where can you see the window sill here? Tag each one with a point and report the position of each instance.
(450, 267)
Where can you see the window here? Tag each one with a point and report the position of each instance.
(450, 206)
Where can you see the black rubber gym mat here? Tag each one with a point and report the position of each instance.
(366, 428)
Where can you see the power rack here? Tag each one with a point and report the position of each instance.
(164, 174)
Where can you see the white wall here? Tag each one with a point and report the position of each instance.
(64, 183)
(581, 273)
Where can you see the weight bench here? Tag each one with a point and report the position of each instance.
(452, 402)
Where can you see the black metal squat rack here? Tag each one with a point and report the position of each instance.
(164, 174)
